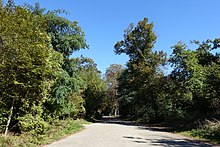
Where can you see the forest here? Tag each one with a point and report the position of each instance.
(42, 87)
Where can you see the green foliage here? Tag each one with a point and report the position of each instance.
(212, 128)
(209, 131)
(63, 86)
(76, 106)
(192, 72)
(95, 96)
(137, 84)
(66, 36)
(94, 89)
(35, 87)
(192, 87)
(42, 86)
(6, 142)
(3, 119)
(25, 70)
(95, 93)
(19, 60)
(35, 125)
(138, 41)
(55, 132)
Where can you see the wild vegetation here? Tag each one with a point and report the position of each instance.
(44, 91)
(41, 85)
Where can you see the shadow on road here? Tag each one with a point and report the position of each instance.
(117, 120)
(179, 143)
(166, 141)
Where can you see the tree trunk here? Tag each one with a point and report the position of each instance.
(9, 117)
(115, 112)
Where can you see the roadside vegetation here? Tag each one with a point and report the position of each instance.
(208, 131)
(55, 132)
(44, 92)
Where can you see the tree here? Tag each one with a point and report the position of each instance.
(112, 74)
(138, 41)
(209, 59)
(94, 92)
(25, 69)
(66, 99)
(66, 36)
(143, 67)
(192, 74)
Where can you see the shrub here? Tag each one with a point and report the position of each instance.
(33, 124)
(212, 127)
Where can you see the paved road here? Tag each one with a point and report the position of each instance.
(122, 134)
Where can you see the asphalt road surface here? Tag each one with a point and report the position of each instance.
(116, 133)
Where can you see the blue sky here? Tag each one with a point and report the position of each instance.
(105, 21)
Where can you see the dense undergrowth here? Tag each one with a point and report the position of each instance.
(208, 130)
(58, 130)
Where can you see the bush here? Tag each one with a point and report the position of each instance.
(212, 127)
(58, 130)
(209, 130)
(33, 124)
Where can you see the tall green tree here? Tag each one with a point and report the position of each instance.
(143, 66)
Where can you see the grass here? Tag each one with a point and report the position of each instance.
(209, 131)
(210, 139)
(59, 130)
